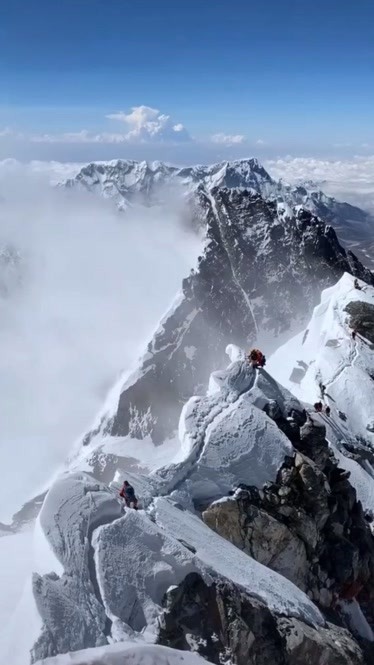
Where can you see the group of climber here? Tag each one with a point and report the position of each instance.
(318, 406)
(127, 493)
(256, 358)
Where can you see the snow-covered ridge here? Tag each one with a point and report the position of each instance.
(110, 571)
(260, 274)
(326, 353)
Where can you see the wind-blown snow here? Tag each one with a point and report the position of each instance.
(85, 288)
(15, 568)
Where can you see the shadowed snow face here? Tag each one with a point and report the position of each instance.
(82, 290)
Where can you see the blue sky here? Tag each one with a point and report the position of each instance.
(273, 77)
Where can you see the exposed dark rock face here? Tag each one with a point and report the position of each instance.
(308, 525)
(224, 624)
(125, 181)
(259, 269)
(330, 645)
(362, 318)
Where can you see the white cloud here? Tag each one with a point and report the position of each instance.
(260, 142)
(228, 139)
(82, 303)
(146, 124)
(348, 179)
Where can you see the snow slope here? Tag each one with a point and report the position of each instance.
(126, 654)
(326, 353)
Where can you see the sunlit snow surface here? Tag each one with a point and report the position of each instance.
(328, 355)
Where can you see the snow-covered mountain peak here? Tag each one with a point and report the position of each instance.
(126, 181)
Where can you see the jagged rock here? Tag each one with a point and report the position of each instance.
(327, 646)
(308, 526)
(223, 624)
(261, 536)
(315, 489)
(232, 277)
(220, 622)
(313, 442)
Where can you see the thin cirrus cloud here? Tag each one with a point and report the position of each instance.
(141, 125)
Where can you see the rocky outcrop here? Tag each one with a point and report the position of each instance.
(362, 318)
(263, 537)
(308, 525)
(222, 624)
(330, 645)
(259, 269)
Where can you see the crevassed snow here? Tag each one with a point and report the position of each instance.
(127, 654)
(227, 560)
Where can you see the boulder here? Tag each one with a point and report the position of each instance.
(313, 442)
(260, 535)
(327, 646)
(220, 623)
(223, 624)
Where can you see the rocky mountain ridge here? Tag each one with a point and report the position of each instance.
(280, 566)
(260, 274)
(127, 182)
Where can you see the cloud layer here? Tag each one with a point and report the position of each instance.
(89, 288)
(351, 180)
(142, 125)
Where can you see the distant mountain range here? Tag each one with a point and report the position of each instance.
(127, 181)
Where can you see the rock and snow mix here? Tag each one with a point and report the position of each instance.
(101, 574)
(326, 354)
(108, 571)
